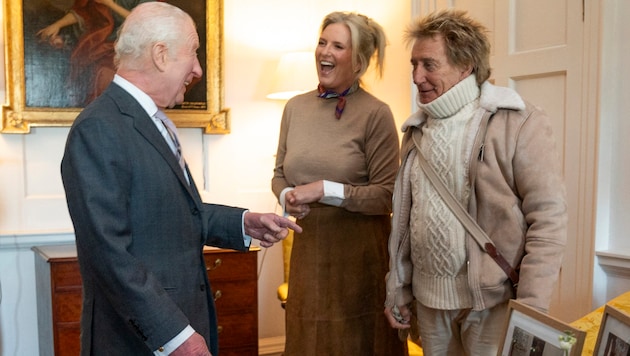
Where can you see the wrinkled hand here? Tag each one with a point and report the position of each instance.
(195, 345)
(403, 321)
(297, 199)
(269, 228)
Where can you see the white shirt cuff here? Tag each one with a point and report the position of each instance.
(175, 342)
(247, 240)
(333, 193)
(282, 200)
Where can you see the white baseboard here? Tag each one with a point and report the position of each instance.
(271, 346)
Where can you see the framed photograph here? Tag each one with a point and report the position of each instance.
(613, 338)
(528, 332)
(59, 57)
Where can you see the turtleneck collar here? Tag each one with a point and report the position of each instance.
(449, 103)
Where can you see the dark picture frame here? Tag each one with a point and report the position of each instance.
(613, 338)
(49, 82)
(528, 331)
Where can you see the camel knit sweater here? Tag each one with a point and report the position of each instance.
(437, 237)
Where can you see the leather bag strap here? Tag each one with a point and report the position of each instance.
(469, 223)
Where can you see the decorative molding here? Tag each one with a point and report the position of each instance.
(615, 264)
(27, 240)
(271, 346)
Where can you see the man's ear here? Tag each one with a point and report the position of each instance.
(466, 71)
(159, 55)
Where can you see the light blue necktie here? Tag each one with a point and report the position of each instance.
(172, 132)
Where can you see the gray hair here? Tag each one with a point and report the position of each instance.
(367, 37)
(147, 24)
(465, 39)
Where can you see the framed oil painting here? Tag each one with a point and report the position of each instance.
(59, 56)
(530, 332)
(613, 338)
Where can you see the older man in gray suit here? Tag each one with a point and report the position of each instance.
(139, 221)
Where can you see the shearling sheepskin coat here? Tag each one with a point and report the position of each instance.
(517, 197)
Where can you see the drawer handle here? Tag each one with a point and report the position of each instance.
(218, 294)
(219, 329)
(217, 264)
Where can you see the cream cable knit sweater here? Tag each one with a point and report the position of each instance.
(437, 237)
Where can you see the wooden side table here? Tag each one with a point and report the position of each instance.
(232, 274)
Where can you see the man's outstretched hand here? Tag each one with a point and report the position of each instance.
(269, 228)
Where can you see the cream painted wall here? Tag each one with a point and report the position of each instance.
(612, 267)
(232, 169)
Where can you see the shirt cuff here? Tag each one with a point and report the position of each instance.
(333, 193)
(247, 240)
(282, 200)
(175, 342)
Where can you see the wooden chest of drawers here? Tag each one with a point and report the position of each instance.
(232, 274)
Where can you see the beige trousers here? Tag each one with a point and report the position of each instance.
(461, 332)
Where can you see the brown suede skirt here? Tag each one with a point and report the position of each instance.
(337, 286)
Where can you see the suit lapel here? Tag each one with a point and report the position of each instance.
(144, 125)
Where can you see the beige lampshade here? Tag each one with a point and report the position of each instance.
(296, 74)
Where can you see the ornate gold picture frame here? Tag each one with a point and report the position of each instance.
(42, 85)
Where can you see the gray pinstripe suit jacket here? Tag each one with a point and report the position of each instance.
(140, 230)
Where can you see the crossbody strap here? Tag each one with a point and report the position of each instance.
(469, 223)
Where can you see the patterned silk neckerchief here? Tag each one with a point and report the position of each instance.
(341, 104)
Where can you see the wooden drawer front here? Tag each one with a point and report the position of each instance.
(237, 330)
(67, 339)
(231, 266)
(241, 351)
(65, 274)
(232, 273)
(67, 306)
(230, 297)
